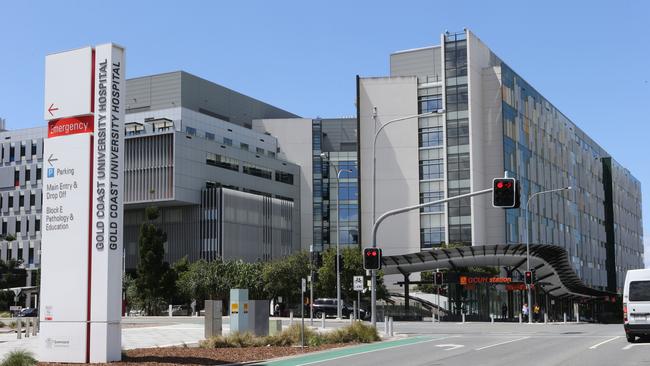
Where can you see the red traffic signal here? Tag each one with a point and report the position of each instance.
(505, 193)
(371, 258)
(528, 277)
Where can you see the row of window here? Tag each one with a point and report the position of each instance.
(21, 200)
(250, 169)
(17, 150)
(213, 184)
(228, 142)
(19, 227)
(28, 175)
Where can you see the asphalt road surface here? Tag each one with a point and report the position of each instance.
(490, 344)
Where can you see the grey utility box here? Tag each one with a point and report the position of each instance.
(213, 320)
(258, 317)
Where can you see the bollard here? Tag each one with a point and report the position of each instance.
(19, 327)
(390, 326)
(463, 316)
(35, 327)
(492, 318)
(385, 325)
(577, 317)
(27, 326)
(322, 320)
(291, 318)
(351, 319)
(433, 316)
(545, 318)
(520, 318)
(169, 310)
(564, 318)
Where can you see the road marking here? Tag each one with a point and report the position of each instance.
(499, 344)
(350, 351)
(635, 344)
(603, 342)
(450, 347)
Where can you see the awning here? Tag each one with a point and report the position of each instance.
(553, 271)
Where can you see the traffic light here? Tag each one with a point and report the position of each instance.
(505, 192)
(439, 279)
(371, 258)
(528, 278)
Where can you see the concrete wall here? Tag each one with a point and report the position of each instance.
(294, 136)
(397, 157)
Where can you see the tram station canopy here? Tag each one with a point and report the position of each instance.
(553, 271)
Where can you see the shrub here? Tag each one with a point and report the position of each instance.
(234, 340)
(19, 358)
(357, 332)
(13, 325)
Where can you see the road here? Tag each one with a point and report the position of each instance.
(490, 344)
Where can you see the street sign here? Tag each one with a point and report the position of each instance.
(303, 284)
(15, 308)
(357, 283)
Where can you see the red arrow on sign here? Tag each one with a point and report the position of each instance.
(51, 109)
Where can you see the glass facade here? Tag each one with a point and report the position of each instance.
(457, 128)
(337, 139)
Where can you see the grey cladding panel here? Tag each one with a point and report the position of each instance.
(7, 177)
(421, 63)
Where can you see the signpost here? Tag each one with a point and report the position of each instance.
(81, 283)
(357, 284)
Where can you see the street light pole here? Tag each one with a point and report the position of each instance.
(373, 278)
(338, 239)
(530, 296)
(387, 214)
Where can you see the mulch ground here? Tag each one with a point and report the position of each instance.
(202, 356)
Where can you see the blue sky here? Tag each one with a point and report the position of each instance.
(590, 58)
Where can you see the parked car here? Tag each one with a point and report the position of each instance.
(636, 304)
(328, 307)
(28, 313)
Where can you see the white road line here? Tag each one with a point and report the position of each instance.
(603, 342)
(498, 344)
(376, 350)
(635, 344)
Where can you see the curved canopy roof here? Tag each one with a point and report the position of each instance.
(553, 270)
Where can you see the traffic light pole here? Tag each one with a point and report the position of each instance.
(375, 228)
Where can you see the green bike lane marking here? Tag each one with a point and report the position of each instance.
(349, 351)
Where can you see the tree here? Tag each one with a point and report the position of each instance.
(156, 280)
(352, 266)
(283, 277)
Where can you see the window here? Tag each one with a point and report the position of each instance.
(257, 171)
(243, 146)
(348, 169)
(21, 200)
(38, 225)
(210, 184)
(32, 199)
(259, 150)
(431, 169)
(18, 226)
(4, 228)
(28, 175)
(429, 197)
(190, 131)
(429, 103)
(348, 191)
(640, 291)
(271, 154)
(222, 162)
(11, 201)
(430, 237)
(430, 136)
(284, 177)
(227, 141)
(16, 178)
(22, 150)
(33, 148)
(209, 136)
(39, 173)
(12, 153)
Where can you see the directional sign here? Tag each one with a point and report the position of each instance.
(68, 84)
(357, 283)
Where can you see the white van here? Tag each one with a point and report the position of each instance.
(636, 304)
